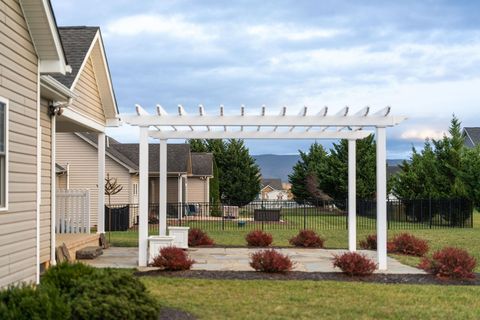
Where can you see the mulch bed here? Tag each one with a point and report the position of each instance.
(174, 314)
(315, 276)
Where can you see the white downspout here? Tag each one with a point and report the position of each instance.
(39, 179)
(53, 191)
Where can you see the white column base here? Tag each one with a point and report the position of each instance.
(181, 236)
(155, 243)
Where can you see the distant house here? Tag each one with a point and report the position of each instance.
(272, 189)
(472, 136)
(188, 175)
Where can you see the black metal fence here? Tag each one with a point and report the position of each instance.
(291, 215)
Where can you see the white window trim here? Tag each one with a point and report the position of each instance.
(6, 102)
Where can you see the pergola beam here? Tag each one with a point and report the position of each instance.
(271, 120)
(204, 134)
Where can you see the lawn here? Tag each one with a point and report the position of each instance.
(262, 299)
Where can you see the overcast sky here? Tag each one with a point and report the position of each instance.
(420, 57)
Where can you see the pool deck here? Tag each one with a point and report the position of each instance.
(237, 259)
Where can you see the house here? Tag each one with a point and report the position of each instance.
(472, 136)
(272, 189)
(188, 173)
(36, 102)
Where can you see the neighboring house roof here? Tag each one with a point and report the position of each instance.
(115, 154)
(76, 43)
(178, 156)
(275, 183)
(202, 164)
(472, 136)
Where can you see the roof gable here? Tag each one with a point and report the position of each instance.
(273, 183)
(202, 164)
(84, 45)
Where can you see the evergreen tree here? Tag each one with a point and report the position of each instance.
(438, 170)
(237, 175)
(240, 182)
(311, 162)
(335, 180)
(199, 145)
(419, 177)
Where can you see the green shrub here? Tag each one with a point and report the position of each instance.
(112, 295)
(28, 302)
(101, 293)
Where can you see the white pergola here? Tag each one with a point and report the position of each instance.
(321, 125)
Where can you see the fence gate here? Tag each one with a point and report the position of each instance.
(72, 211)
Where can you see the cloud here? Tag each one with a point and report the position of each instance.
(170, 26)
(290, 32)
(422, 134)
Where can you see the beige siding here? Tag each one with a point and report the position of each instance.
(83, 170)
(45, 209)
(172, 190)
(18, 84)
(88, 101)
(197, 189)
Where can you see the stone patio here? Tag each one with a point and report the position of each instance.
(237, 259)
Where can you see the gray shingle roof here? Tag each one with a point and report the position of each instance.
(93, 137)
(202, 164)
(76, 41)
(274, 183)
(472, 136)
(178, 156)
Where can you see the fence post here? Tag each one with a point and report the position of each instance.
(304, 215)
(223, 217)
(430, 211)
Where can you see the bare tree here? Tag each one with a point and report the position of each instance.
(112, 187)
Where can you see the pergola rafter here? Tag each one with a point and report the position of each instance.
(341, 125)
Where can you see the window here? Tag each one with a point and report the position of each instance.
(3, 152)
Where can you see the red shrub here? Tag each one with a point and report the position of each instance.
(408, 244)
(259, 239)
(370, 242)
(196, 237)
(270, 261)
(354, 264)
(173, 259)
(450, 263)
(307, 239)
(391, 246)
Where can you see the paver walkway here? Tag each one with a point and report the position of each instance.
(237, 259)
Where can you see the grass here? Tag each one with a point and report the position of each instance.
(262, 299)
(468, 238)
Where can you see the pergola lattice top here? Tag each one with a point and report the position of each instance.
(321, 125)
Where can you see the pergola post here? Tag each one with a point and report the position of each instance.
(352, 196)
(180, 196)
(143, 199)
(101, 182)
(381, 198)
(162, 204)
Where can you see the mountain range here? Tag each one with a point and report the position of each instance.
(280, 166)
